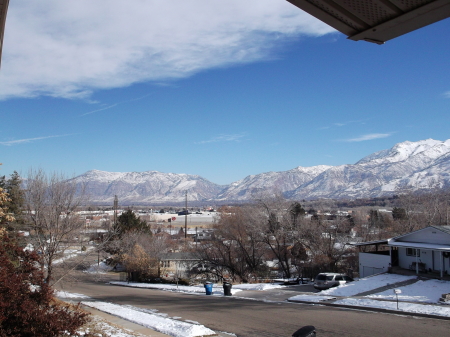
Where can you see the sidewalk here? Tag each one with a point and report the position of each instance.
(124, 323)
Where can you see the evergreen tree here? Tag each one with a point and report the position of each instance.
(399, 213)
(296, 211)
(15, 192)
(129, 221)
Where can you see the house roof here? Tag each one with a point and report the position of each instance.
(378, 242)
(444, 229)
(376, 21)
(431, 237)
(445, 248)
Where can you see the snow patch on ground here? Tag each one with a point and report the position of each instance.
(217, 288)
(64, 294)
(156, 322)
(415, 292)
(366, 284)
(311, 298)
(101, 268)
(405, 307)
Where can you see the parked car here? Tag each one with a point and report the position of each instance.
(329, 280)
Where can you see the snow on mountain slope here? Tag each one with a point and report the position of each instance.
(405, 150)
(435, 175)
(150, 186)
(270, 182)
(380, 173)
(407, 164)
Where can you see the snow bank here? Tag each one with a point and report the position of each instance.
(156, 322)
(217, 288)
(405, 307)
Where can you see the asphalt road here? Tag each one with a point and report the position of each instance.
(264, 316)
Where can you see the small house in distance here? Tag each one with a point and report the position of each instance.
(425, 251)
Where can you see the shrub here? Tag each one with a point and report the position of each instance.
(26, 301)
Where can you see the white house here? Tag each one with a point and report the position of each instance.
(426, 250)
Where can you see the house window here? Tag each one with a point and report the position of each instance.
(413, 252)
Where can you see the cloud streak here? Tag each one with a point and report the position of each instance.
(72, 48)
(30, 140)
(223, 138)
(115, 104)
(341, 124)
(370, 136)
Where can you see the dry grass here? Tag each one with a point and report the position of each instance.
(98, 327)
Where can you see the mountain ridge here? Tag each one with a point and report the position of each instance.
(413, 165)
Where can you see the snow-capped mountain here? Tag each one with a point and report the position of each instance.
(270, 182)
(415, 165)
(149, 186)
(406, 165)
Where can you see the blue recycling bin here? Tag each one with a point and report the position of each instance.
(208, 288)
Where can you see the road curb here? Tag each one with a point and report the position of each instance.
(381, 310)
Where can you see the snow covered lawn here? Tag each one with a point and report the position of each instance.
(217, 288)
(429, 291)
(366, 284)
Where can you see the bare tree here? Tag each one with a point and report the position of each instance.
(51, 203)
(327, 242)
(236, 250)
(140, 252)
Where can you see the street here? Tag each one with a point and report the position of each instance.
(250, 317)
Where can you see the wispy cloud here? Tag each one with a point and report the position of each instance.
(30, 140)
(223, 138)
(116, 104)
(369, 136)
(105, 108)
(341, 124)
(61, 49)
(447, 94)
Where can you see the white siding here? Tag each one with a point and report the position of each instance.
(426, 256)
(370, 264)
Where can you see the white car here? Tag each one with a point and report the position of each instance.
(329, 280)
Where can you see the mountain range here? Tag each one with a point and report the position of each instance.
(407, 165)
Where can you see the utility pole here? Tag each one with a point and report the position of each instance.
(116, 204)
(185, 217)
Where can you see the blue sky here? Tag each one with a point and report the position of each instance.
(221, 89)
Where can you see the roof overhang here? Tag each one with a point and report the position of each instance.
(368, 243)
(3, 10)
(419, 245)
(376, 21)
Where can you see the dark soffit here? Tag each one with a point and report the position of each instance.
(376, 21)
